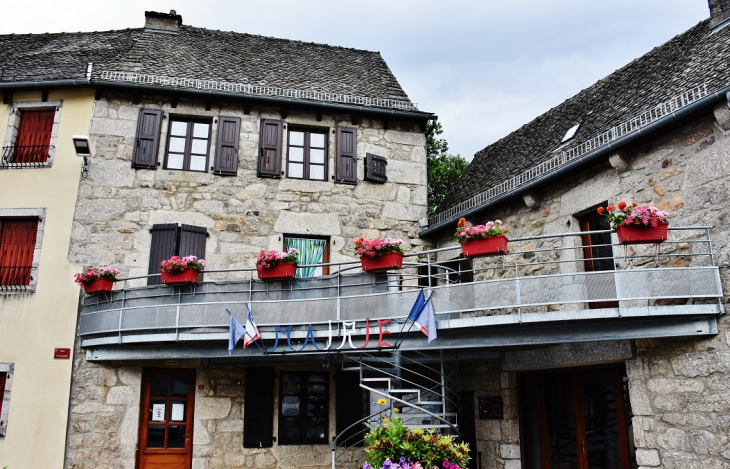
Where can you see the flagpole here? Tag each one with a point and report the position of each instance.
(397, 340)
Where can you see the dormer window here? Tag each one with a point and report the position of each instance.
(571, 132)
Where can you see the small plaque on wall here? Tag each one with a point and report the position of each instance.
(491, 408)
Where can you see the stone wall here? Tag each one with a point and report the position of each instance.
(678, 388)
(104, 419)
(243, 214)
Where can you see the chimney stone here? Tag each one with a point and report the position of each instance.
(719, 11)
(157, 21)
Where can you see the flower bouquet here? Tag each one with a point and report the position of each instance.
(97, 280)
(481, 240)
(177, 269)
(392, 445)
(275, 265)
(635, 224)
(380, 254)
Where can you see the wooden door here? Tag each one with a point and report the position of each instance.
(574, 420)
(598, 257)
(166, 419)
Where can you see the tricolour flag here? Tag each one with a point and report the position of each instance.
(236, 332)
(252, 332)
(426, 321)
(417, 307)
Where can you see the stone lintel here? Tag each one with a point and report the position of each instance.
(580, 353)
(619, 161)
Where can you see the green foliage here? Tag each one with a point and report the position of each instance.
(444, 170)
(393, 439)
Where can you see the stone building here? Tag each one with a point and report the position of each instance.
(221, 144)
(608, 338)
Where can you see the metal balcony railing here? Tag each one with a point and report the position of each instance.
(542, 278)
(25, 156)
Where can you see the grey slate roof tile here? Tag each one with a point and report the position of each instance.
(200, 54)
(686, 61)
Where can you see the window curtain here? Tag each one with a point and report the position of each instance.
(311, 251)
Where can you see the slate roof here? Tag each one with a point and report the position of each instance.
(688, 60)
(200, 53)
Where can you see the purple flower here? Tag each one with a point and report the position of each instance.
(402, 460)
(387, 462)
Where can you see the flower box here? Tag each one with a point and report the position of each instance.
(639, 234)
(491, 246)
(388, 261)
(281, 271)
(175, 278)
(98, 285)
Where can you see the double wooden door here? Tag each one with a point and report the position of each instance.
(574, 419)
(166, 419)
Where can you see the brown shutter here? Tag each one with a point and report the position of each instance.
(258, 408)
(375, 168)
(226, 153)
(192, 242)
(17, 246)
(164, 246)
(346, 161)
(147, 140)
(349, 406)
(270, 142)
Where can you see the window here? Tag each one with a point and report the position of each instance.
(598, 257)
(6, 383)
(258, 408)
(171, 240)
(571, 132)
(375, 168)
(188, 145)
(311, 251)
(446, 272)
(17, 247)
(31, 135)
(304, 408)
(307, 155)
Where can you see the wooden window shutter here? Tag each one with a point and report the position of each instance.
(270, 143)
(164, 246)
(258, 409)
(349, 406)
(34, 136)
(192, 242)
(147, 140)
(226, 153)
(346, 160)
(17, 246)
(375, 168)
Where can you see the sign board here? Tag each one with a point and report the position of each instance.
(62, 353)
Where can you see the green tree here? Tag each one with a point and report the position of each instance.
(444, 169)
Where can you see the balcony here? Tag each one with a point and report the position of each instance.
(538, 293)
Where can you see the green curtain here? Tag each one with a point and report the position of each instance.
(311, 251)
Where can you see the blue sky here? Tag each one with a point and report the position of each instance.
(485, 67)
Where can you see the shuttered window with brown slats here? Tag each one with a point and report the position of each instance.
(258, 408)
(17, 246)
(270, 144)
(34, 136)
(375, 167)
(147, 139)
(226, 151)
(346, 159)
(170, 240)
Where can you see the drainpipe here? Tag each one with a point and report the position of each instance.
(725, 92)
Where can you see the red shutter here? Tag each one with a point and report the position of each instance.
(226, 153)
(270, 143)
(34, 136)
(17, 245)
(147, 140)
(346, 160)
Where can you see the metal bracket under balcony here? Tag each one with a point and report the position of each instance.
(524, 297)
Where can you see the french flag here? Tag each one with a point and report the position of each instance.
(252, 332)
(426, 321)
